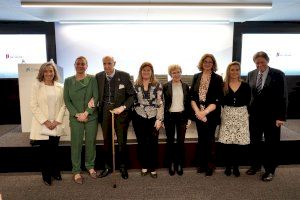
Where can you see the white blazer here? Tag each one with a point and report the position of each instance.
(39, 109)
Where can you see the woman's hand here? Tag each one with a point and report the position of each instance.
(188, 124)
(82, 117)
(91, 103)
(48, 124)
(157, 124)
(55, 123)
(201, 115)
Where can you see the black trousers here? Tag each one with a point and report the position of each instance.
(147, 138)
(264, 152)
(175, 122)
(206, 144)
(49, 157)
(231, 154)
(121, 128)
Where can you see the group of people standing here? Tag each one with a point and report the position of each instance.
(248, 112)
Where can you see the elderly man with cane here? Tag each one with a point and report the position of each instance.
(116, 96)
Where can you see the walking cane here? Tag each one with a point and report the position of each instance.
(113, 149)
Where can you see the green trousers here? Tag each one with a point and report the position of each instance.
(78, 131)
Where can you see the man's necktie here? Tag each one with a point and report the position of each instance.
(259, 83)
(108, 78)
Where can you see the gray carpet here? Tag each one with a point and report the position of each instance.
(286, 185)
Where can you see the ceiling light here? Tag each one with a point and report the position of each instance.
(144, 22)
(146, 4)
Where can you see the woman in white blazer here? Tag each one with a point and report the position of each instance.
(48, 108)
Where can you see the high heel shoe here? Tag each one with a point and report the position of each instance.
(153, 174)
(172, 169)
(78, 179)
(179, 170)
(227, 171)
(236, 172)
(92, 173)
(144, 172)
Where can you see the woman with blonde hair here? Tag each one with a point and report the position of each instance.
(206, 94)
(234, 128)
(177, 117)
(48, 108)
(148, 117)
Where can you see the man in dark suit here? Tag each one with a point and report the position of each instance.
(116, 93)
(267, 114)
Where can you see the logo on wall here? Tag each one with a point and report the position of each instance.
(9, 56)
(278, 54)
(31, 69)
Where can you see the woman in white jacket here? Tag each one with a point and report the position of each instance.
(48, 108)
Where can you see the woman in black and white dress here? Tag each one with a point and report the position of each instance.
(147, 118)
(234, 128)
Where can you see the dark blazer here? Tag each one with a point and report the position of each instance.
(214, 95)
(124, 91)
(271, 102)
(167, 91)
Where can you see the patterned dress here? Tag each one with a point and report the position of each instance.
(234, 128)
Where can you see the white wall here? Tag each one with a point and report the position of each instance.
(283, 50)
(132, 44)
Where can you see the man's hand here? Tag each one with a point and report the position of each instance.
(118, 110)
(279, 123)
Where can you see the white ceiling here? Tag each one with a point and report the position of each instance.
(282, 10)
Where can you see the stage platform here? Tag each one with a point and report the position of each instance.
(17, 155)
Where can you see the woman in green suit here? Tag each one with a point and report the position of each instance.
(80, 91)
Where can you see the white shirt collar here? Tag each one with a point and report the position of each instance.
(112, 75)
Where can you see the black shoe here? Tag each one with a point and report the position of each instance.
(179, 170)
(200, 170)
(267, 177)
(57, 177)
(252, 171)
(227, 171)
(236, 172)
(104, 173)
(172, 169)
(47, 181)
(124, 173)
(209, 172)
